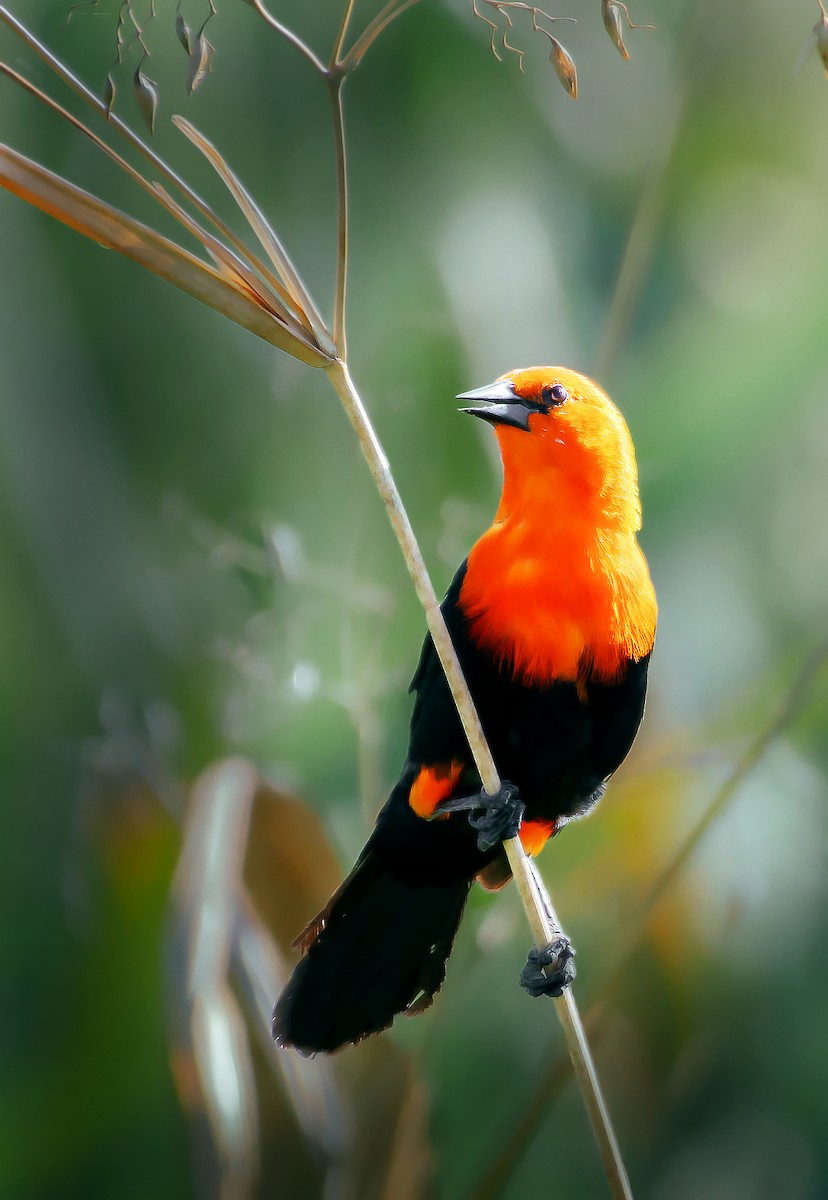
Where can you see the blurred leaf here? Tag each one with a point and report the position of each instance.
(392, 1154)
(290, 867)
(291, 871)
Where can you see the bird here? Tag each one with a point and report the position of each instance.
(553, 617)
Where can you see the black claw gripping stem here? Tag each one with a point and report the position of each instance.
(494, 818)
(560, 969)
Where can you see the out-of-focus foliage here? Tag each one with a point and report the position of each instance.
(191, 548)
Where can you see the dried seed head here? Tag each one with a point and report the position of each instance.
(611, 11)
(611, 16)
(564, 65)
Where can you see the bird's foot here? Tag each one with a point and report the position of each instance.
(559, 971)
(494, 818)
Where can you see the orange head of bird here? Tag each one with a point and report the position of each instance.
(566, 448)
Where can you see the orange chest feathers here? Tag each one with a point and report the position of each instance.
(569, 603)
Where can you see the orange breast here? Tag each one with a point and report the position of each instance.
(567, 603)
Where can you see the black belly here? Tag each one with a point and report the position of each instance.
(557, 746)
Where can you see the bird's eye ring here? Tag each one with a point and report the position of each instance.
(556, 394)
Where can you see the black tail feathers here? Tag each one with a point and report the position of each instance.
(379, 948)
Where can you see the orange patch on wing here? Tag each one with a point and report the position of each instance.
(535, 835)
(432, 785)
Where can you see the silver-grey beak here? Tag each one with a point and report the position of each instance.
(502, 405)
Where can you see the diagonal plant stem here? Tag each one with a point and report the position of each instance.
(497, 1173)
(536, 903)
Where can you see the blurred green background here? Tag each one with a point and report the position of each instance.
(195, 564)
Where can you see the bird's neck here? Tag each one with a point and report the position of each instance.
(558, 587)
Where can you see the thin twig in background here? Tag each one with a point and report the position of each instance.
(292, 38)
(335, 94)
(638, 252)
(343, 33)
(372, 31)
(496, 1174)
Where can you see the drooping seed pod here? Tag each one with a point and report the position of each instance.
(564, 65)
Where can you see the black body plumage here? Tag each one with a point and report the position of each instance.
(381, 944)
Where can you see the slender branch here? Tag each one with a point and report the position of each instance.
(292, 38)
(339, 335)
(340, 37)
(496, 1174)
(536, 903)
(372, 31)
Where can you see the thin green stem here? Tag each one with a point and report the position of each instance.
(342, 236)
(340, 37)
(535, 901)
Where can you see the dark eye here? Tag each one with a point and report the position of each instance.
(556, 394)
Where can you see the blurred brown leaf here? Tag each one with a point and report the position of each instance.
(290, 872)
(290, 867)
